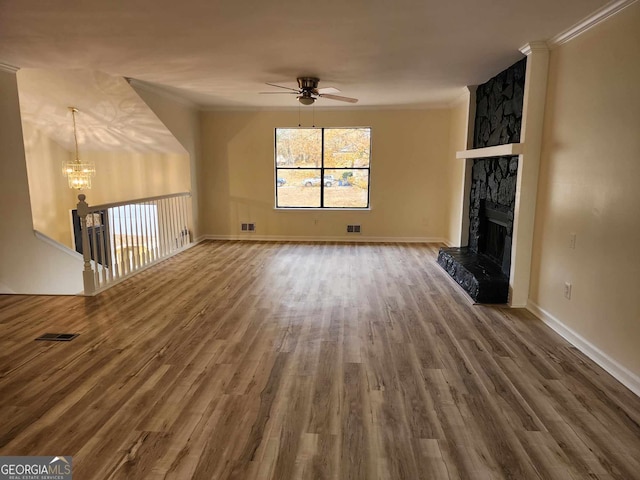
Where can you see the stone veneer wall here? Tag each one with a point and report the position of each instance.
(494, 180)
(499, 104)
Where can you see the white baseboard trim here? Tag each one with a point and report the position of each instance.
(619, 372)
(355, 238)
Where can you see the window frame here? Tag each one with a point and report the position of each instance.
(322, 169)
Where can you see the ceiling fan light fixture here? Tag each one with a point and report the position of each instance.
(306, 100)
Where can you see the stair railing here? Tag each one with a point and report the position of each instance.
(123, 238)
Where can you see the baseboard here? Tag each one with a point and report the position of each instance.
(619, 372)
(355, 238)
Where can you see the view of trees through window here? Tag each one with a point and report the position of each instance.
(322, 167)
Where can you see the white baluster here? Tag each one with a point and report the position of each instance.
(145, 232)
(179, 222)
(94, 249)
(129, 238)
(153, 226)
(124, 245)
(136, 251)
(163, 228)
(174, 225)
(156, 230)
(102, 238)
(185, 217)
(111, 264)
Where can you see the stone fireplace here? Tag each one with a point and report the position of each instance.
(483, 267)
(491, 208)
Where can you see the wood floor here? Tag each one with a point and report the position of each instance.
(307, 361)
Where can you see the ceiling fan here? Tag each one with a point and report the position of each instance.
(308, 91)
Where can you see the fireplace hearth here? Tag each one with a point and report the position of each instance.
(477, 273)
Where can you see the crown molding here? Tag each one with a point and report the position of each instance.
(589, 22)
(531, 47)
(139, 84)
(5, 67)
(308, 109)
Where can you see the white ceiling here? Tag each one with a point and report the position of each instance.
(219, 53)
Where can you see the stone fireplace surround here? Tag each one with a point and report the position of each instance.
(483, 271)
(482, 267)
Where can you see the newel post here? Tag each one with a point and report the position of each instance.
(88, 277)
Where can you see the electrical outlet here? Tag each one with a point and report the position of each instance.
(572, 241)
(567, 290)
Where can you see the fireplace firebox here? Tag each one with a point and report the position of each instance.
(494, 239)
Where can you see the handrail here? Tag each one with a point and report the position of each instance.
(138, 200)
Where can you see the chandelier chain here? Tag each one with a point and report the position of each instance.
(75, 131)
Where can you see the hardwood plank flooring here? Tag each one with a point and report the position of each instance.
(282, 361)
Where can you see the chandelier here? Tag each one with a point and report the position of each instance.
(78, 173)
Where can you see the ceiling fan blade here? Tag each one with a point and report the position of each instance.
(339, 98)
(280, 86)
(278, 93)
(326, 90)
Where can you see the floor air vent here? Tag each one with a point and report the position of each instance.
(57, 337)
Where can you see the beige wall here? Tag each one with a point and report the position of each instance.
(410, 175)
(183, 121)
(126, 175)
(457, 142)
(51, 198)
(119, 176)
(27, 264)
(590, 185)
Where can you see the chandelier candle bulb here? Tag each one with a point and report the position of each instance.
(77, 172)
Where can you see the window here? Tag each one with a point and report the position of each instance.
(322, 167)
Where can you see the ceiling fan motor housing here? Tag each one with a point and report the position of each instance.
(308, 83)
